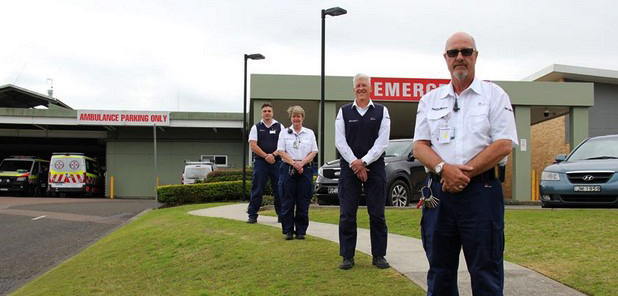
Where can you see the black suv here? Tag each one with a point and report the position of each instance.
(404, 177)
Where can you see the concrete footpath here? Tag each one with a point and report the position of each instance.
(407, 256)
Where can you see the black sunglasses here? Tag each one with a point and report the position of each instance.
(466, 52)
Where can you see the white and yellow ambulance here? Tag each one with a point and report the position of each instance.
(75, 173)
(23, 175)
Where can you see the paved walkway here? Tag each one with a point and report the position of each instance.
(406, 255)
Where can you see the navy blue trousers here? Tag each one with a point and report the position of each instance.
(262, 170)
(473, 219)
(349, 197)
(297, 193)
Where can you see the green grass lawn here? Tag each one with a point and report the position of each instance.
(169, 252)
(577, 247)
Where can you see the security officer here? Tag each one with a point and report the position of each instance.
(297, 147)
(362, 130)
(463, 130)
(263, 139)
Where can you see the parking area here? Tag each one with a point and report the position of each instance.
(36, 234)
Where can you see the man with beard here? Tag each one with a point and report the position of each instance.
(362, 130)
(463, 130)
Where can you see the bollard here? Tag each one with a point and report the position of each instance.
(111, 189)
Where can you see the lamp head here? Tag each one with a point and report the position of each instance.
(334, 11)
(255, 56)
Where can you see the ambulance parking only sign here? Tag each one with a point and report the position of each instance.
(136, 118)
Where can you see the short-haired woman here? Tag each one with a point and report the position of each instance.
(297, 147)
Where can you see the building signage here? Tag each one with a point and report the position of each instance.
(403, 89)
(138, 118)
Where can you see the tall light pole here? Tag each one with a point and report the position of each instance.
(255, 56)
(333, 11)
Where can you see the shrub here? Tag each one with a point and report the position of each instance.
(173, 195)
(228, 175)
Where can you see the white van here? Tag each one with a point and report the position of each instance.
(196, 170)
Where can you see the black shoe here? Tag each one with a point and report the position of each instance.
(252, 220)
(288, 236)
(300, 236)
(380, 262)
(347, 263)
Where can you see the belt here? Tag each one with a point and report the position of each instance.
(306, 165)
(488, 175)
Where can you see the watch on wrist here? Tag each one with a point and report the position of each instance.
(438, 168)
(364, 163)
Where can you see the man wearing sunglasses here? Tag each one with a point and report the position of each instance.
(463, 130)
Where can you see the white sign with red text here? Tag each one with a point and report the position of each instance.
(138, 118)
(403, 89)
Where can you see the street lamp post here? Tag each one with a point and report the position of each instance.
(333, 11)
(255, 56)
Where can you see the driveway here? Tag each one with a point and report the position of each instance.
(36, 234)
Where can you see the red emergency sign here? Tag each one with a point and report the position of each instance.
(403, 89)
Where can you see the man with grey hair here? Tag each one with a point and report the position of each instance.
(463, 130)
(362, 130)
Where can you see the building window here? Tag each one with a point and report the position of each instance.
(219, 160)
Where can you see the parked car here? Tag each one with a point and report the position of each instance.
(585, 177)
(75, 173)
(196, 171)
(404, 177)
(24, 175)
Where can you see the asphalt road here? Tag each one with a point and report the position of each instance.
(36, 234)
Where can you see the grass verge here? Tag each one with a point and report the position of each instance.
(577, 247)
(169, 252)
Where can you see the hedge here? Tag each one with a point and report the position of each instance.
(228, 175)
(173, 195)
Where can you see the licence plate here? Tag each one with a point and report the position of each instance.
(582, 188)
(333, 190)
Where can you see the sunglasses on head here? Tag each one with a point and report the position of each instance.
(466, 52)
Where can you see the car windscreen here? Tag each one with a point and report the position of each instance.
(396, 149)
(22, 166)
(596, 148)
(197, 172)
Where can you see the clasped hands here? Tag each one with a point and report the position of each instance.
(359, 169)
(298, 165)
(455, 178)
(270, 158)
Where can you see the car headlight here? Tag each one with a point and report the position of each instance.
(550, 176)
(21, 179)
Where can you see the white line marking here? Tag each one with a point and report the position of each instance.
(39, 217)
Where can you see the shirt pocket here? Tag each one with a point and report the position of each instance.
(478, 118)
(436, 120)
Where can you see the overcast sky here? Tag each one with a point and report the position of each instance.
(188, 55)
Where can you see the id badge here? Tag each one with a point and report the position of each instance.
(446, 134)
(272, 132)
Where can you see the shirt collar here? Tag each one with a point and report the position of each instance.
(449, 91)
(302, 129)
(368, 105)
(271, 124)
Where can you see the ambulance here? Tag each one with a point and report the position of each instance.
(24, 175)
(75, 173)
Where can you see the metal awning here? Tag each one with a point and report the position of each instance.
(12, 96)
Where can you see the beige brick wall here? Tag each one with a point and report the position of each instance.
(547, 140)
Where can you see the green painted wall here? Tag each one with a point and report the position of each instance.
(132, 163)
